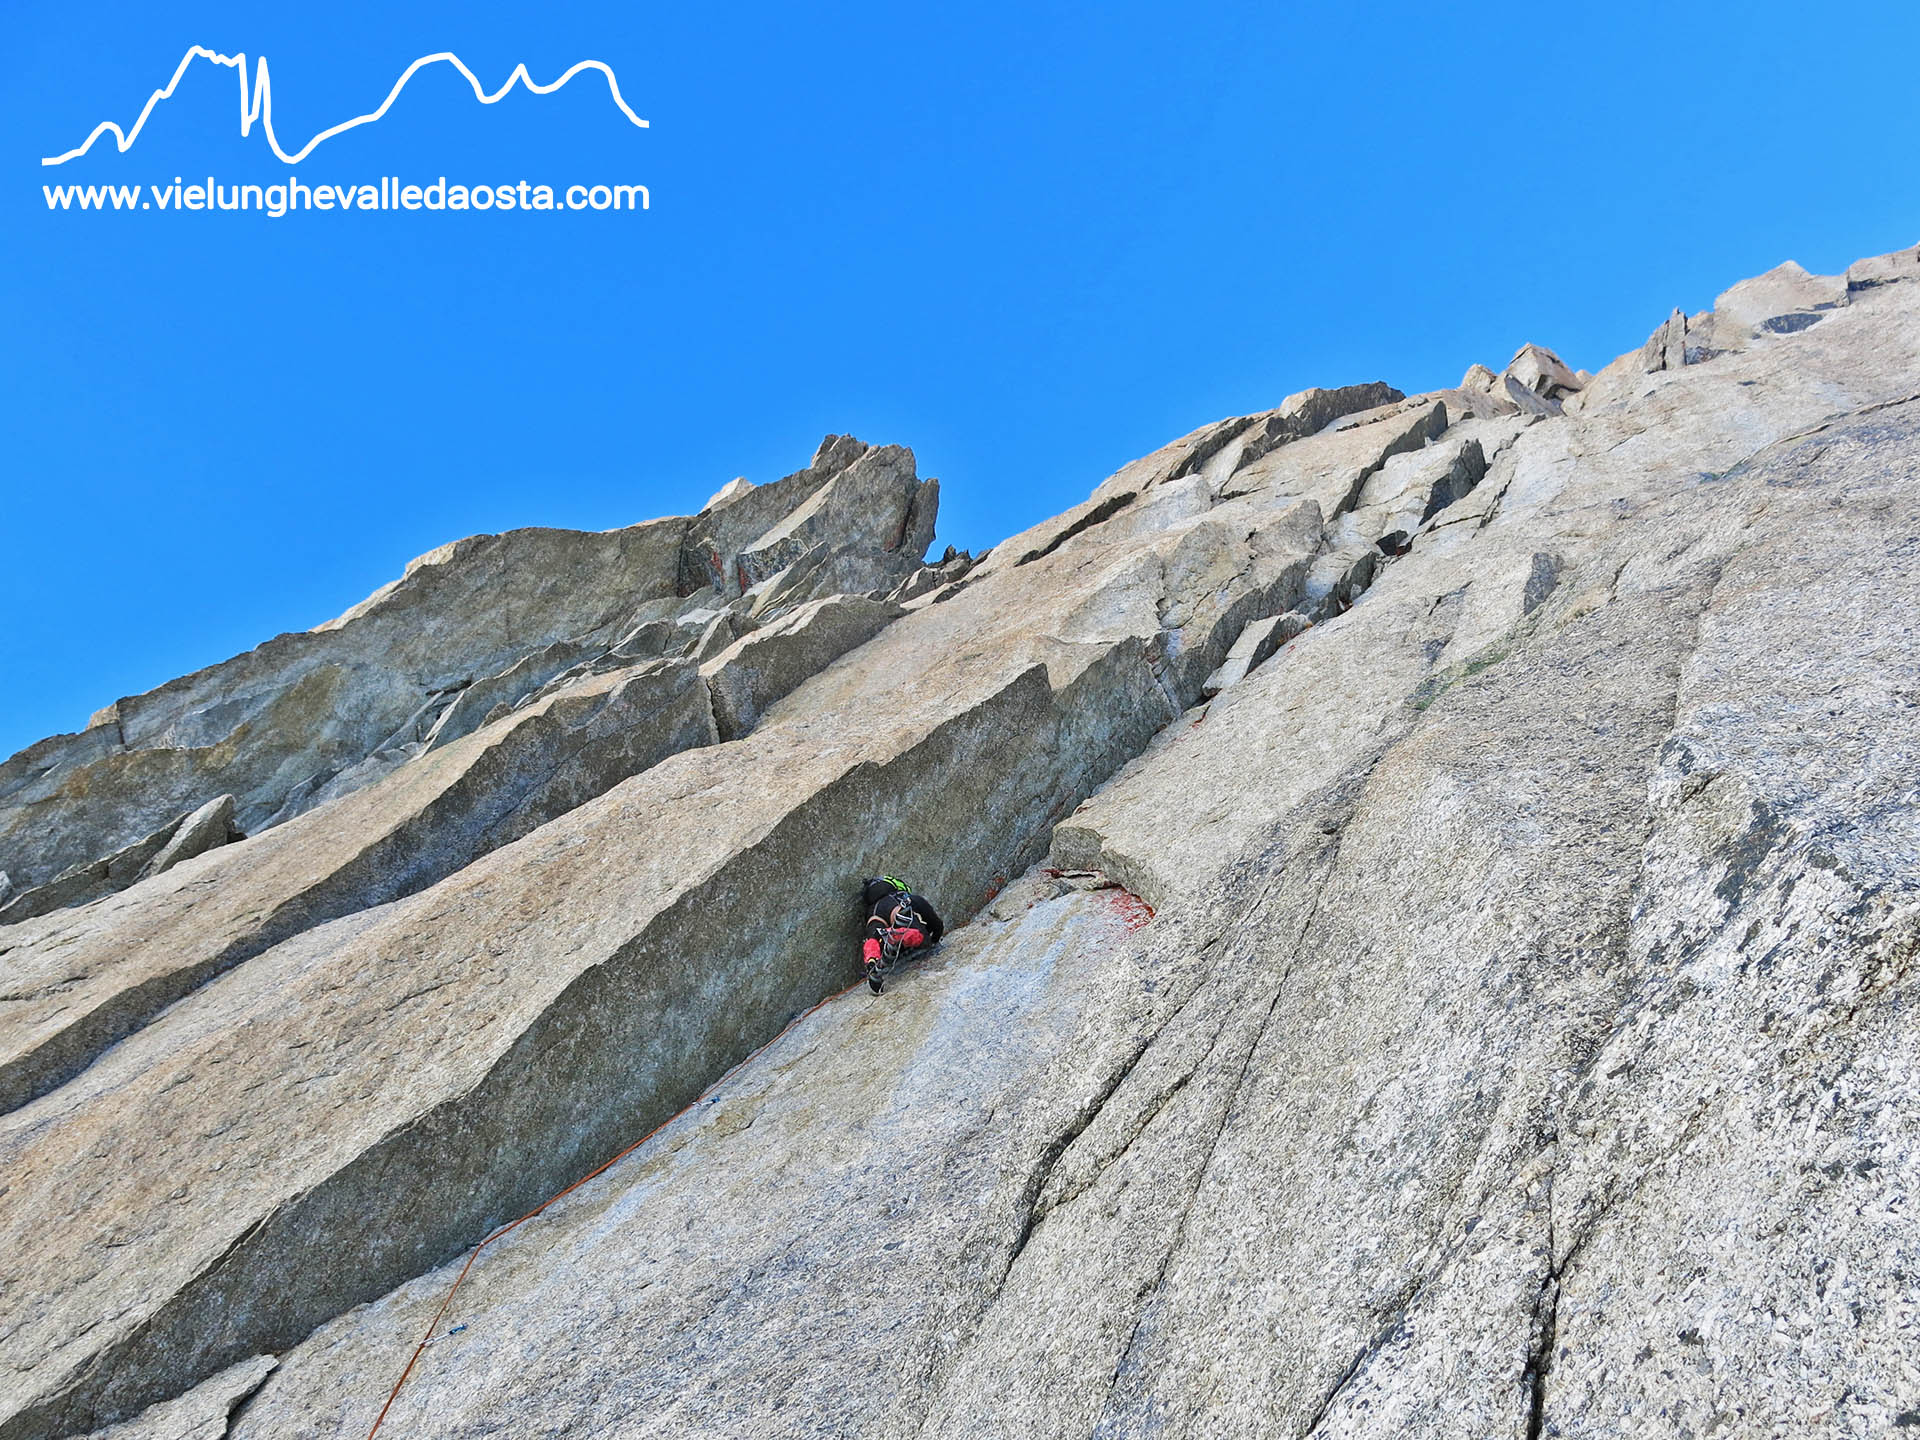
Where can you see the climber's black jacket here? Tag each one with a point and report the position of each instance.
(881, 894)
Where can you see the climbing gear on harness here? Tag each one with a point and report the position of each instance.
(882, 964)
(897, 920)
(881, 954)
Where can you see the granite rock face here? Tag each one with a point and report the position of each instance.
(760, 668)
(1469, 989)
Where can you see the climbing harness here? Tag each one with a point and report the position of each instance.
(430, 1338)
(902, 920)
(891, 950)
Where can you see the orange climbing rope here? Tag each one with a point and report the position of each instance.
(601, 1169)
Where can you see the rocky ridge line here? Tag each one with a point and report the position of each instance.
(472, 631)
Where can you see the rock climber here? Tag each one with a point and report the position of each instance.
(896, 919)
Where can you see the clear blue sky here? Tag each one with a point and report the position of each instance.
(1029, 240)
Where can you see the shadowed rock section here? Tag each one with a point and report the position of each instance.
(1522, 1045)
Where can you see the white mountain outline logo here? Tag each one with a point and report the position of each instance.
(256, 100)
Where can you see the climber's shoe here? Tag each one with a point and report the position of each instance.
(876, 982)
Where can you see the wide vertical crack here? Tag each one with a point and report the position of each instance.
(1027, 1206)
(1177, 1243)
(1546, 1329)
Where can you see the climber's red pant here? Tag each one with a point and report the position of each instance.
(907, 939)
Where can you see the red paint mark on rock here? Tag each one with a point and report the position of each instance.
(1134, 912)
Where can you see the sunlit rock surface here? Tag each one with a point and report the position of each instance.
(1490, 1013)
